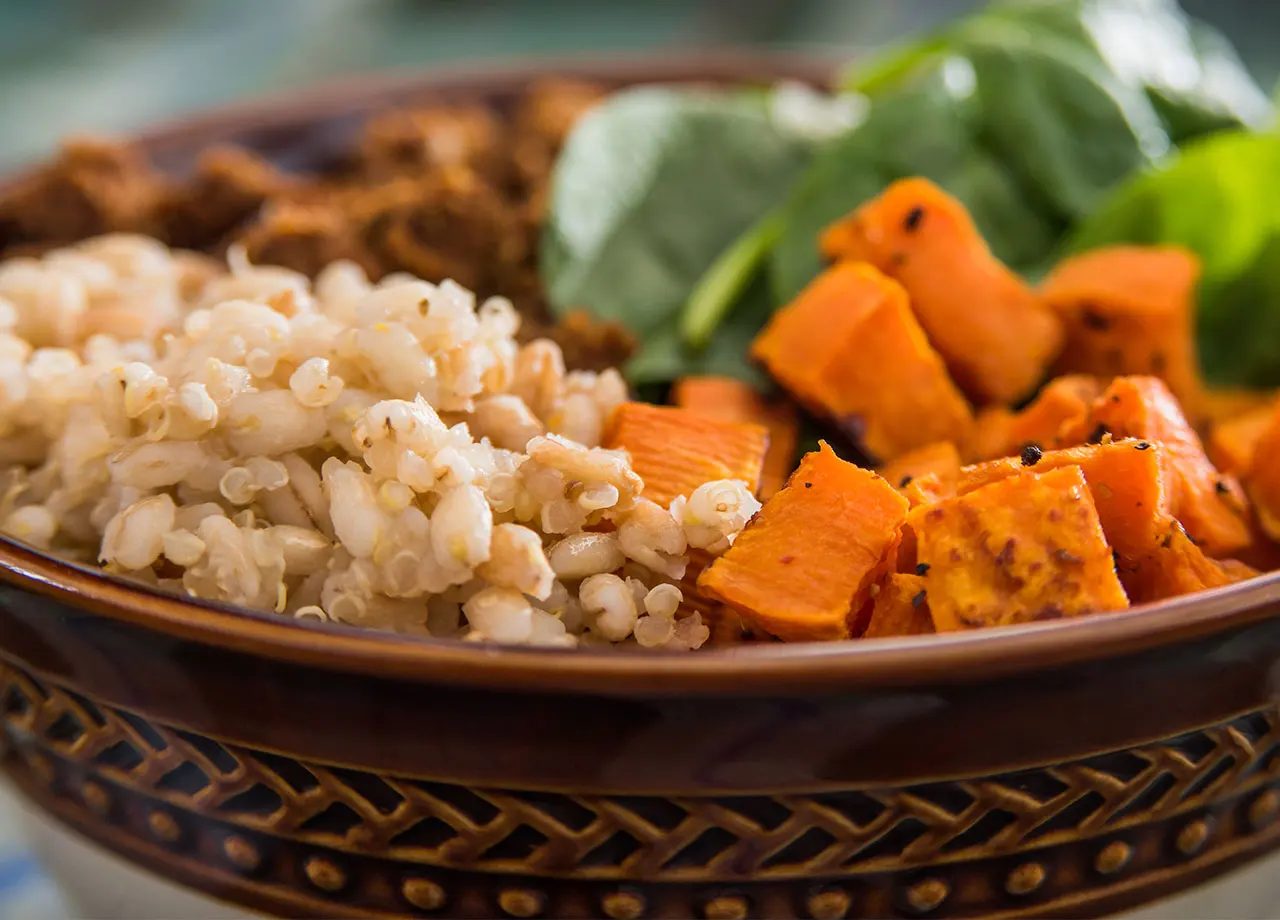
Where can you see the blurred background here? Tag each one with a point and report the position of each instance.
(111, 65)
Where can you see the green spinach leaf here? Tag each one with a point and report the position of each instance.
(651, 187)
(1058, 119)
(1188, 69)
(665, 357)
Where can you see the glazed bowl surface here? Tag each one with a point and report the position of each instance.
(1070, 769)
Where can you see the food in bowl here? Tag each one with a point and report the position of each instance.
(939, 414)
(440, 191)
(376, 455)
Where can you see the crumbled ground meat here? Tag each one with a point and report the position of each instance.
(410, 142)
(441, 192)
(228, 188)
(94, 187)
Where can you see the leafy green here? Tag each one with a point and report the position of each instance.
(1216, 199)
(1058, 119)
(1190, 72)
(720, 288)
(1030, 112)
(665, 358)
(667, 202)
(651, 187)
(928, 129)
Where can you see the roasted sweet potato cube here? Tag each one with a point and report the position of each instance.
(900, 608)
(1264, 477)
(674, 451)
(1064, 401)
(849, 348)
(1022, 549)
(1222, 404)
(731, 400)
(924, 489)
(1129, 310)
(1176, 566)
(928, 488)
(1126, 479)
(940, 460)
(1211, 505)
(995, 333)
(1234, 441)
(803, 568)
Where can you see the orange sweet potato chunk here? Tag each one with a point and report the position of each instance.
(1264, 477)
(803, 568)
(924, 489)
(731, 400)
(1129, 310)
(1210, 505)
(995, 333)
(849, 348)
(674, 451)
(1022, 549)
(1064, 402)
(1176, 566)
(1125, 478)
(900, 608)
(1233, 442)
(1221, 404)
(940, 460)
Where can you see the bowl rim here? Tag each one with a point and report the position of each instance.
(949, 658)
(868, 664)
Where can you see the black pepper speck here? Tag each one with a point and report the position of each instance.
(904, 482)
(911, 223)
(918, 599)
(1031, 455)
(1144, 445)
(1094, 320)
(922, 568)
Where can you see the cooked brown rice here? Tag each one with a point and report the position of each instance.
(376, 455)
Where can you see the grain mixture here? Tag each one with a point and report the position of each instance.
(383, 455)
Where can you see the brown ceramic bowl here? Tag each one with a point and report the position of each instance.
(1071, 769)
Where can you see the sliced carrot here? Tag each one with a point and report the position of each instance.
(674, 450)
(900, 608)
(1022, 549)
(1129, 310)
(731, 400)
(1211, 505)
(1064, 401)
(804, 567)
(996, 335)
(849, 348)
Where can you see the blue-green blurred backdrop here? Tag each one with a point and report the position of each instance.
(103, 65)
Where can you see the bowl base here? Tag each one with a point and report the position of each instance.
(96, 883)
